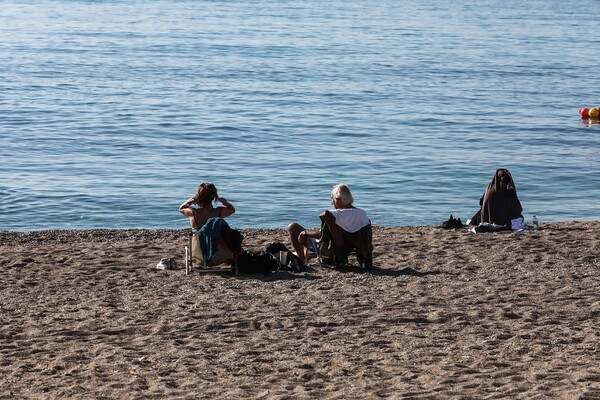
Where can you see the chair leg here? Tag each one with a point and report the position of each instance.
(189, 266)
(314, 245)
(319, 253)
(188, 261)
(234, 266)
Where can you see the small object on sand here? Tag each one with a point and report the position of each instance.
(166, 263)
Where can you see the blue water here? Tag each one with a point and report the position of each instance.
(111, 113)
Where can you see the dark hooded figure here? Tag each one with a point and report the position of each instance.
(499, 204)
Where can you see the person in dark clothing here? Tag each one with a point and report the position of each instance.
(499, 203)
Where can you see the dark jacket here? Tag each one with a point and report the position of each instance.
(500, 204)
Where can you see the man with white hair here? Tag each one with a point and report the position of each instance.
(347, 217)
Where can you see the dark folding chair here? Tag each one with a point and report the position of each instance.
(341, 243)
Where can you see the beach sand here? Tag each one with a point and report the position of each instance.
(444, 314)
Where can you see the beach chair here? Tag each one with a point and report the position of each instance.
(224, 259)
(341, 244)
(315, 246)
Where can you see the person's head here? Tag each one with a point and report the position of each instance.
(341, 197)
(503, 175)
(504, 179)
(206, 194)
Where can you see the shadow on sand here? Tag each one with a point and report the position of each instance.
(407, 271)
(284, 275)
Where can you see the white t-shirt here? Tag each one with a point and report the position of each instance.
(350, 219)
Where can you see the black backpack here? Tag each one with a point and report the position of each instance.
(256, 263)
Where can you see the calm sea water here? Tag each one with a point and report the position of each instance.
(111, 113)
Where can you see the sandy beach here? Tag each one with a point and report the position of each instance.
(445, 314)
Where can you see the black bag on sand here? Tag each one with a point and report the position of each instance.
(256, 263)
(276, 247)
(452, 223)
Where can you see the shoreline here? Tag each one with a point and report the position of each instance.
(108, 231)
(266, 229)
(444, 314)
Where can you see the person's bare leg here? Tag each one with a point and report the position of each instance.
(299, 236)
(295, 230)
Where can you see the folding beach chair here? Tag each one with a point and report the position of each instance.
(341, 244)
(223, 260)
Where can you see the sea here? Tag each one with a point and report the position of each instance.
(113, 112)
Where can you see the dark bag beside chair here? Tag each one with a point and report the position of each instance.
(256, 263)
